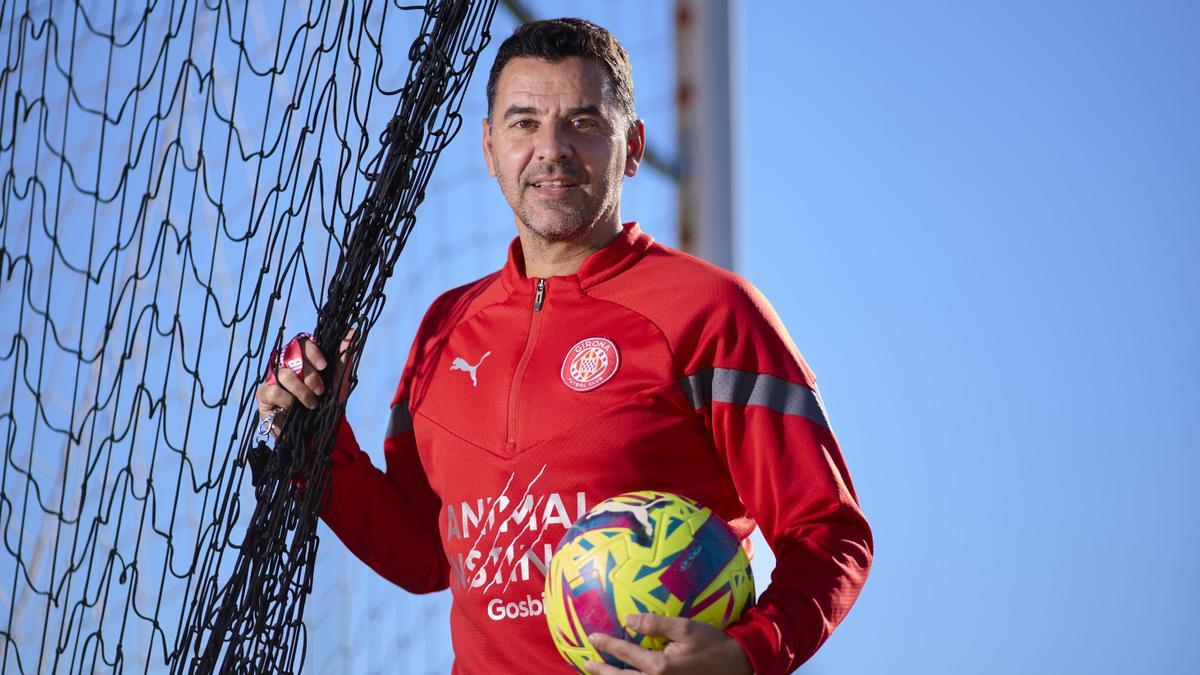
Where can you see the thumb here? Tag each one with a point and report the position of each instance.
(344, 363)
(344, 349)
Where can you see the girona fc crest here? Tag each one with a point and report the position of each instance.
(590, 363)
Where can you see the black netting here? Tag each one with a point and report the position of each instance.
(177, 179)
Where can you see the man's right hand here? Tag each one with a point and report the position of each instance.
(279, 397)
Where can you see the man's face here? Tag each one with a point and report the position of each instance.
(558, 145)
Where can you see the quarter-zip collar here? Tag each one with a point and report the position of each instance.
(621, 253)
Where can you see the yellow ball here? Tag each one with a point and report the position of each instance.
(643, 552)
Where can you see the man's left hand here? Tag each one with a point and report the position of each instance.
(693, 647)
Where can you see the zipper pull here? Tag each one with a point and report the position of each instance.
(540, 297)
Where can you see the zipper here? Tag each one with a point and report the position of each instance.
(540, 296)
(514, 394)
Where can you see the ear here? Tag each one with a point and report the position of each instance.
(487, 147)
(635, 147)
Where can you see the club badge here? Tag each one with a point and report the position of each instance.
(590, 363)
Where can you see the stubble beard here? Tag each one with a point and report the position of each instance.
(556, 220)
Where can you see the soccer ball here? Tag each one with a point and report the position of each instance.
(642, 552)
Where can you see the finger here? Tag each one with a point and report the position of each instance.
(673, 628)
(344, 348)
(314, 381)
(642, 659)
(312, 354)
(605, 669)
(272, 396)
(297, 387)
(341, 373)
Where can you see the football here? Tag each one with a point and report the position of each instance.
(642, 552)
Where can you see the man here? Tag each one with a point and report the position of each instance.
(595, 362)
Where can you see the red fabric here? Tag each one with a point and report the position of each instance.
(502, 455)
(291, 356)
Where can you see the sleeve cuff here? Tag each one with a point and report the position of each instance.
(771, 646)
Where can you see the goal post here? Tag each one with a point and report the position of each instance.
(706, 106)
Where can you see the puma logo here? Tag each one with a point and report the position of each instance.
(640, 512)
(461, 364)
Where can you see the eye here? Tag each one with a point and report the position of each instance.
(524, 124)
(583, 124)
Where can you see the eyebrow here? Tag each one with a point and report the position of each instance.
(519, 110)
(585, 110)
(530, 110)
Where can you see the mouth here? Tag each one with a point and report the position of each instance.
(555, 187)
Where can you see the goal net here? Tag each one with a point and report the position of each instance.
(185, 186)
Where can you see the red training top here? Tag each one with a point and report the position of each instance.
(526, 401)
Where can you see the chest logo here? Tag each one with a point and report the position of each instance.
(590, 363)
(461, 364)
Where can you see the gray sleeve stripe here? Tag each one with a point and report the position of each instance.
(401, 420)
(738, 387)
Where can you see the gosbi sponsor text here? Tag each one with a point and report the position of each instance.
(499, 610)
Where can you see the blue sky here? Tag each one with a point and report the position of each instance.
(979, 222)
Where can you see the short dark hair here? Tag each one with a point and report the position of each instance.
(556, 39)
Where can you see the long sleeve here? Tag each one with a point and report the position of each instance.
(388, 519)
(759, 401)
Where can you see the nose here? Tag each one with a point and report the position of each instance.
(552, 144)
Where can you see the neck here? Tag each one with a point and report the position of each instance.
(546, 258)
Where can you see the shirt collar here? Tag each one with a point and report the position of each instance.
(619, 255)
